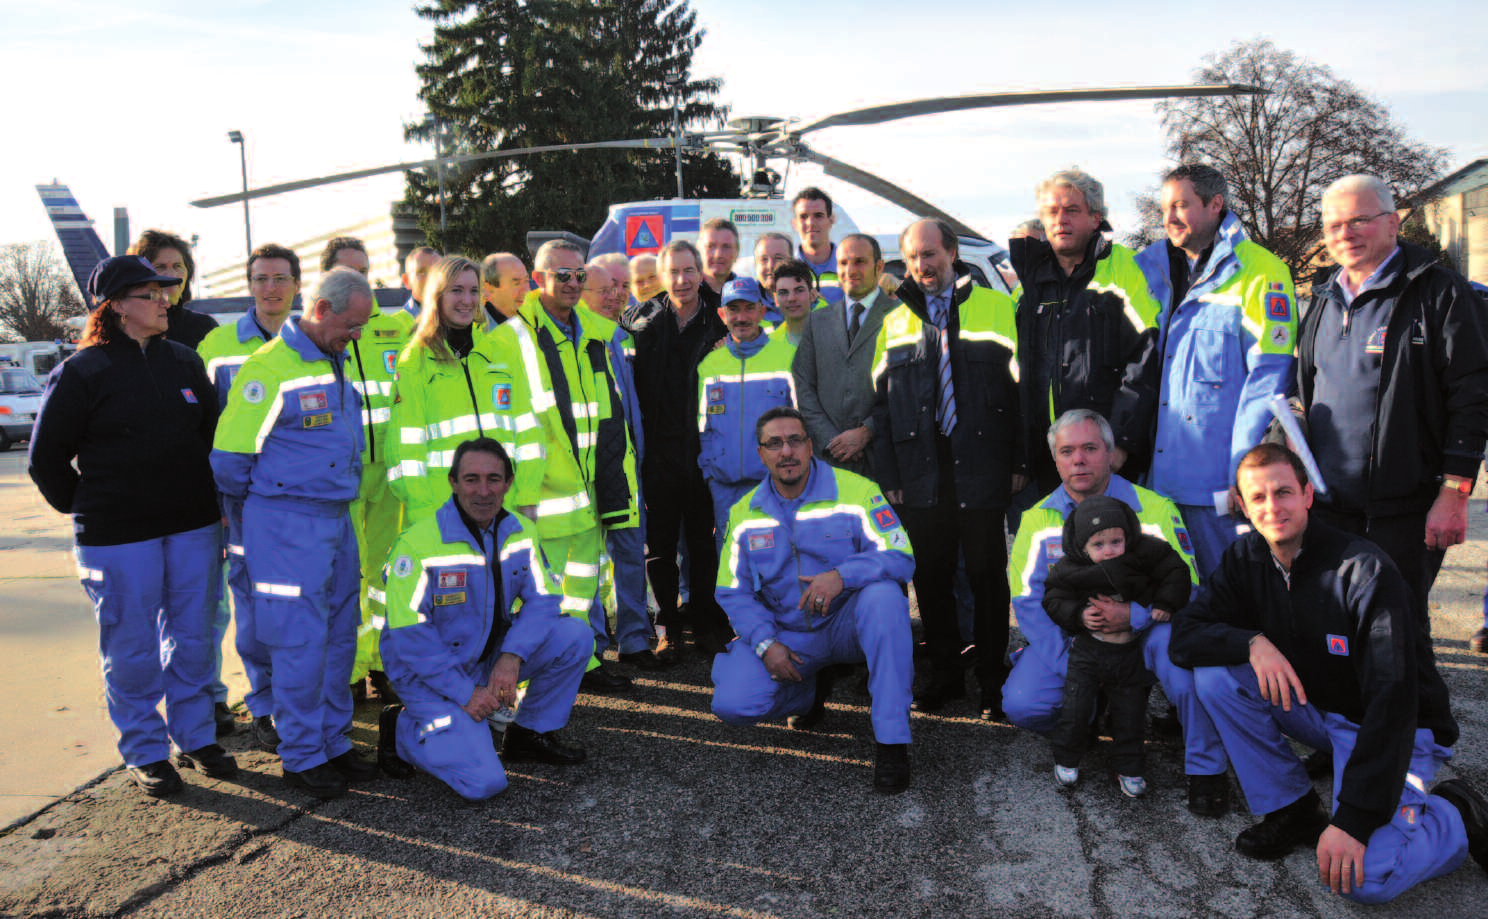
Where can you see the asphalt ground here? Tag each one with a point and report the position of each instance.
(674, 814)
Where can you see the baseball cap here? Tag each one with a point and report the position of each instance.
(742, 289)
(113, 276)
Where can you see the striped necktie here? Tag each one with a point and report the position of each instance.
(945, 405)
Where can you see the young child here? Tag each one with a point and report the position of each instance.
(1107, 555)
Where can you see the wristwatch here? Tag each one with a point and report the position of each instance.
(1458, 484)
(763, 646)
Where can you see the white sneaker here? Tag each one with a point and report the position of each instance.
(1066, 776)
(1133, 786)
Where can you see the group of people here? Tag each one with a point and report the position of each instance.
(431, 497)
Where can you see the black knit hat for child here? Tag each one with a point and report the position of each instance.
(1096, 513)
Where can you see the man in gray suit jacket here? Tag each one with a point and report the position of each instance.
(834, 359)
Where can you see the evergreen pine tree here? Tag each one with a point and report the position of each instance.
(507, 74)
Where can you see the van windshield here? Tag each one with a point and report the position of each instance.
(18, 382)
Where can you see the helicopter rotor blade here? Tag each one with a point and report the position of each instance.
(887, 190)
(878, 114)
(657, 143)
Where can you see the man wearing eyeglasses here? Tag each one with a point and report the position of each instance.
(557, 411)
(814, 571)
(1393, 374)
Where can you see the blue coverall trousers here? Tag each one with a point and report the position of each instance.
(257, 663)
(155, 601)
(438, 736)
(303, 562)
(1424, 839)
(1034, 693)
(873, 625)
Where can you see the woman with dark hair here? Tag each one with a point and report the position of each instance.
(170, 255)
(137, 414)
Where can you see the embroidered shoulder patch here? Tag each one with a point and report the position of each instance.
(253, 391)
(884, 519)
(403, 567)
(1338, 645)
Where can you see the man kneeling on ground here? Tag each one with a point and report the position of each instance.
(813, 574)
(1307, 632)
(458, 641)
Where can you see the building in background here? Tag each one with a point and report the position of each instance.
(1455, 210)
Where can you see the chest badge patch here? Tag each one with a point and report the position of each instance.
(1054, 550)
(1376, 342)
(318, 420)
(451, 580)
(715, 394)
(1338, 645)
(759, 541)
(450, 599)
(189, 396)
(390, 361)
(314, 401)
(384, 333)
(501, 396)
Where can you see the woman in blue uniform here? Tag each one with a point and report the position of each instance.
(137, 413)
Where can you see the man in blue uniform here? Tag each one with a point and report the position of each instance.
(813, 573)
(458, 641)
(1081, 442)
(289, 448)
(1309, 632)
(1227, 331)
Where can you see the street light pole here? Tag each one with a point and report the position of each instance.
(675, 81)
(237, 138)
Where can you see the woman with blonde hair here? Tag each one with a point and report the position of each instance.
(435, 404)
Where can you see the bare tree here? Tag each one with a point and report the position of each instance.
(1282, 150)
(36, 293)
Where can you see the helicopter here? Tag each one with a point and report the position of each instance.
(636, 227)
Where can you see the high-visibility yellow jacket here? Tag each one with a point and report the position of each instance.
(558, 412)
(434, 409)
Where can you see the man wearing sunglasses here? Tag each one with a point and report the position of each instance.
(557, 411)
(813, 575)
(1393, 373)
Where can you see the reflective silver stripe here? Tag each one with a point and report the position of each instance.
(1034, 546)
(90, 574)
(587, 439)
(527, 452)
(452, 427)
(581, 570)
(373, 387)
(438, 459)
(276, 590)
(851, 510)
(217, 363)
(234, 550)
(412, 436)
(376, 596)
(381, 415)
(510, 549)
(1001, 339)
(437, 561)
(413, 469)
(574, 605)
(541, 399)
(563, 505)
(378, 622)
(1129, 309)
(441, 722)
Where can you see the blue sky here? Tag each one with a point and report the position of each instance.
(131, 106)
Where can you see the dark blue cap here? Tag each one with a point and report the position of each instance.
(742, 289)
(112, 276)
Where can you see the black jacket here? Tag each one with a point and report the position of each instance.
(666, 384)
(187, 326)
(1347, 626)
(1431, 415)
(140, 425)
(987, 440)
(1096, 356)
(1150, 573)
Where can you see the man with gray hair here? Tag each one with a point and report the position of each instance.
(503, 287)
(1082, 443)
(1393, 374)
(1229, 327)
(1087, 334)
(288, 450)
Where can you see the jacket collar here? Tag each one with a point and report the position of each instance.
(909, 292)
(1118, 488)
(308, 350)
(1031, 256)
(821, 485)
(457, 526)
(249, 327)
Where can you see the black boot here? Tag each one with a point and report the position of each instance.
(891, 768)
(826, 678)
(388, 760)
(1298, 824)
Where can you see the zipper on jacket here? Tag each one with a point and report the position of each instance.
(470, 387)
(740, 476)
(366, 404)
